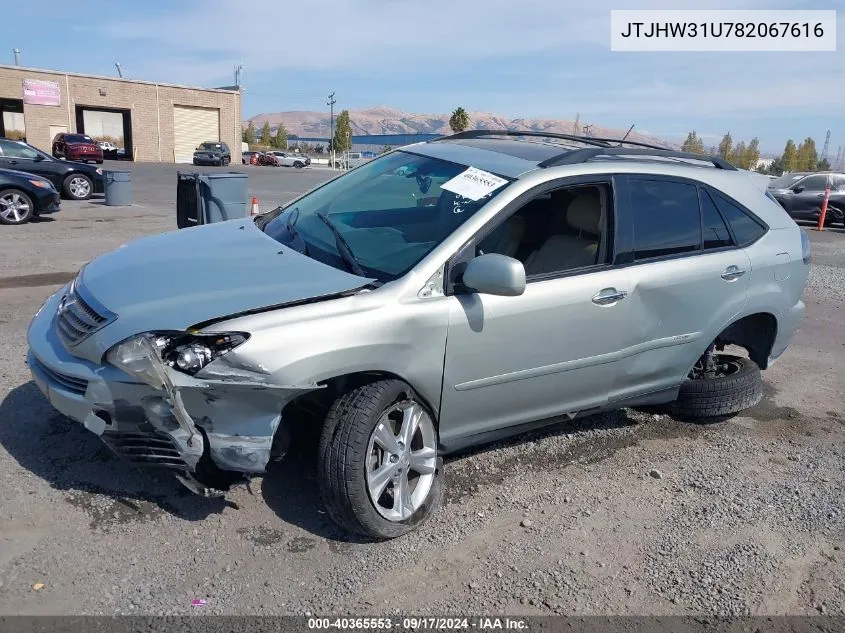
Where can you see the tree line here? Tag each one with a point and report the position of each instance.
(803, 157)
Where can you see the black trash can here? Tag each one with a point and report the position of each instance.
(210, 197)
(117, 185)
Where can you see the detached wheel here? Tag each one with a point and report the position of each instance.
(379, 473)
(15, 207)
(78, 187)
(732, 384)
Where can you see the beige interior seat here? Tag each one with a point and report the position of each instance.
(506, 238)
(563, 251)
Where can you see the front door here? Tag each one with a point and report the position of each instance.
(550, 351)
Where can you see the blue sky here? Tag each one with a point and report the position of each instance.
(516, 58)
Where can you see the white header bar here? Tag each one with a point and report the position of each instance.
(723, 30)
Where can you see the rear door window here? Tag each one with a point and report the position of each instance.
(714, 232)
(746, 229)
(666, 218)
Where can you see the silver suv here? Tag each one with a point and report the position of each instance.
(440, 296)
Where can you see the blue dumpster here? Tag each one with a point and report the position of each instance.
(117, 185)
(210, 197)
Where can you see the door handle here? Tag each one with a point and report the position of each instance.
(732, 273)
(609, 296)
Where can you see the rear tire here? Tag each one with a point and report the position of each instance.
(721, 395)
(349, 460)
(16, 207)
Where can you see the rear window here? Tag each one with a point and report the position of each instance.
(745, 228)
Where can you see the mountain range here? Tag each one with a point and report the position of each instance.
(386, 120)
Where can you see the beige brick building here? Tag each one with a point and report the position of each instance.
(149, 121)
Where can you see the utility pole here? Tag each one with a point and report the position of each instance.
(331, 103)
(838, 164)
(575, 126)
(587, 129)
(17, 53)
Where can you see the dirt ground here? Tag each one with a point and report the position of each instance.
(624, 513)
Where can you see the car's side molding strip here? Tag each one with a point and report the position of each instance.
(578, 363)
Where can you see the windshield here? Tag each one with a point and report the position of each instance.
(785, 181)
(78, 138)
(390, 213)
(209, 146)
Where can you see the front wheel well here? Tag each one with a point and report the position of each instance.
(755, 333)
(304, 416)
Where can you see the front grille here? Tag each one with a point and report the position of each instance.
(76, 320)
(69, 383)
(152, 449)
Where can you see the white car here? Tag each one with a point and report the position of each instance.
(106, 146)
(289, 159)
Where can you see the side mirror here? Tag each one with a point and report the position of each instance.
(38, 158)
(495, 274)
(797, 189)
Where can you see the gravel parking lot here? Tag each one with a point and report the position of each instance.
(624, 513)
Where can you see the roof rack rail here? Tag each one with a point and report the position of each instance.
(577, 156)
(482, 133)
(590, 140)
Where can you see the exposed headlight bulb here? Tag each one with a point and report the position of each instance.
(193, 357)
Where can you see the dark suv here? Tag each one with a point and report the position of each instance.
(74, 180)
(212, 153)
(80, 147)
(801, 194)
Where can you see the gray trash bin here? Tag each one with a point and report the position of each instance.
(223, 196)
(117, 186)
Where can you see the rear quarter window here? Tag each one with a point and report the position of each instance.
(745, 228)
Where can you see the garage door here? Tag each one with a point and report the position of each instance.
(192, 126)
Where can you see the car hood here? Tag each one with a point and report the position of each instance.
(182, 278)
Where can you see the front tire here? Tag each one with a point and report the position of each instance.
(299, 165)
(16, 207)
(737, 386)
(379, 472)
(78, 187)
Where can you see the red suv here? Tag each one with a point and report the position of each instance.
(79, 147)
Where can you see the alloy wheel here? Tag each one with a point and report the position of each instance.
(14, 207)
(79, 187)
(401, 461)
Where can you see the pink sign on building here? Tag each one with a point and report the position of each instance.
(37, 92)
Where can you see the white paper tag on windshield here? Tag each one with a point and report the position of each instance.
(473, 183)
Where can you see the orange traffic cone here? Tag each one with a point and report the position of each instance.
(254, 207)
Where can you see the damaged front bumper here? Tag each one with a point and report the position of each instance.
(227, 421)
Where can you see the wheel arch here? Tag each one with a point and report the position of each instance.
(308, 411)
(756, 333)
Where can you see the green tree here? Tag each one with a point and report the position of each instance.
(726, 146)
(824, 165)
(808, 157)
(752, 153)
(266, 137)
(459, 121)
(281, 138)
(693, 143)
(790, 156)
(342, 140)
(737, 155)
(249, 133)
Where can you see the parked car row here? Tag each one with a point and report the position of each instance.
(802, 193)
(276, 158)
(25, 170)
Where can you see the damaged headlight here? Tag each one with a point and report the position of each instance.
(146, 355)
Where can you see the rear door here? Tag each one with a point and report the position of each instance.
(688, 279)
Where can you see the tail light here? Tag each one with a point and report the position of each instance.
(805, 246)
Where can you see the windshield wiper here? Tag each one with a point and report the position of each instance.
(342, 245)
